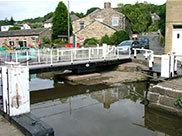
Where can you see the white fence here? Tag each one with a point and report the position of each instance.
(51, 56)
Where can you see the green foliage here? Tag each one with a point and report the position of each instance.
(80, 15)
(36, 25)
(14, 28)
(105, 39)
(91, 41)
(178, 102)
(46, 40)
(119, 36)
(154, 27)
(162, 22)
(60, 21)
(37, 19)
(91, 10)
(11, 22)
(58, 41)
(139, 15)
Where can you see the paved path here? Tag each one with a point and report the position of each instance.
(154, 44)
(6, 129)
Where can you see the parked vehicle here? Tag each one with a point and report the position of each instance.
(127, 45)
(144, 41)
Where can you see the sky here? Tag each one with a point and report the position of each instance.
(24, 9)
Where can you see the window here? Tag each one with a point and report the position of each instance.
(178, 36)
(115, 21)
(82, 25)
(11, 43)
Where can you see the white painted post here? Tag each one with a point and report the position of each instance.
(129, 52)
(104, 51)
(4, 88)
(51, 56)
(16, 96)
(165, 66)
(27, 57)
(71, 56)
(89, 54)
(146, 55)
(135, 53)
(57, 54)
(172, 65)
(150, 62)
(38, 56)
(97, 49)
(16, 55)
(175, 65)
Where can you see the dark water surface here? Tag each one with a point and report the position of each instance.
(100, 110)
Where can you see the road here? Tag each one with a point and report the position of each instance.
(154, 44)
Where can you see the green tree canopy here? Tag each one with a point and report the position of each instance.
(11, 22)
(60, 21)
(139, 14)
(91, 10)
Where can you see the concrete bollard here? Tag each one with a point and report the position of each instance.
(135, 53)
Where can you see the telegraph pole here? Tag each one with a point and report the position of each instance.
(68, 22)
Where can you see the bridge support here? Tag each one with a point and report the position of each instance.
(15, 90)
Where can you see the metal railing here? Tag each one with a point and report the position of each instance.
(62, 55)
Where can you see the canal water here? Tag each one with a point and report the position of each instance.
(98, 110)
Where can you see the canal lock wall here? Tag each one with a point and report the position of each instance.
(163, 98)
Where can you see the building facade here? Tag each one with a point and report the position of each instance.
(23, 38)
(101, 22)
(173, 41)
(5, 27)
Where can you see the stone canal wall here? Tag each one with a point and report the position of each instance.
(163, 96)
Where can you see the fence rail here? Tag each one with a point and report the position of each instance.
(51, 56)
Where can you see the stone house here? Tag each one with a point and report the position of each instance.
(173, 38)
(23, 38)
(101, 22)
(48, 23)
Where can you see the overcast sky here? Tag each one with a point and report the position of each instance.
(21, 9)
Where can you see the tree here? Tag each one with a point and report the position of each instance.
(91, 10)
(105, 39)
(14, 28)
(11, 22)
(60, 21)
(162, 22)
(119, 36)
(139, 15)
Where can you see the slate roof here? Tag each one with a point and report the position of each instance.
(48, 20)
(74, 17)
(27, 32)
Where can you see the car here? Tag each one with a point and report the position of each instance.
(144, 42)
(127, 45)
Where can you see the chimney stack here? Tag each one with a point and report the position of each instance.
(107, 5)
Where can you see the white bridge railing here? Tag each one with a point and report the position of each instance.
(62, 55)
(169, 62)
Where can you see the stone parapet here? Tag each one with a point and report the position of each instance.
(163, 98)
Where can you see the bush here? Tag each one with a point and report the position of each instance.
(119, 36)
(91, 41)
(46, 40)
(59, 41)
(105, 39)
(14, 28)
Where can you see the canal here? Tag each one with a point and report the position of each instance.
(98, 110)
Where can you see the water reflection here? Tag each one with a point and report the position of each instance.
(101, 111)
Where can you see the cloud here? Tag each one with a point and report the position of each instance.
(21, 9)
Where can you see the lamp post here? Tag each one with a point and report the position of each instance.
(68, 24)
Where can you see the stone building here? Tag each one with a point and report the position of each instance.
(173, 26)
(101, 22)
(23, 38)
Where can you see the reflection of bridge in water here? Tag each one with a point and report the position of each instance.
(77, 59)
